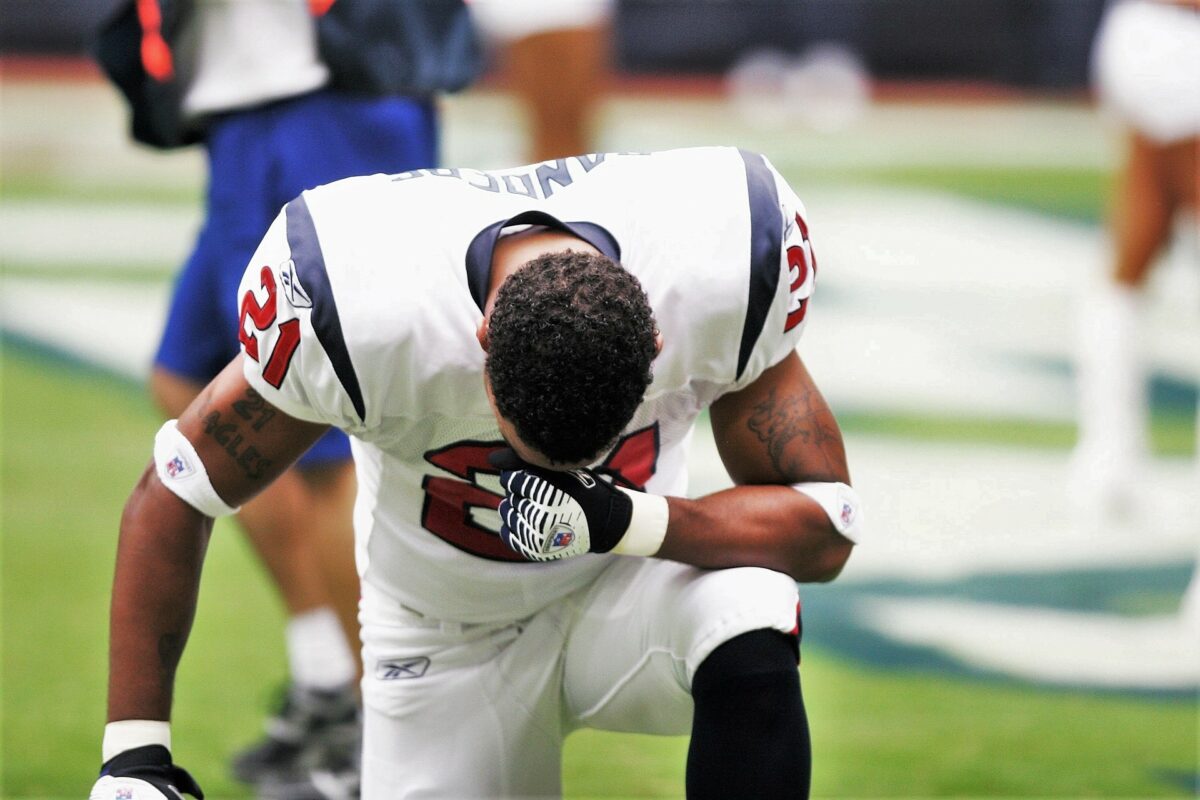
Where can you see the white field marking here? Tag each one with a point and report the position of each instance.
(1042, 644)
(80, 235)
(116, 326)
(948, 304)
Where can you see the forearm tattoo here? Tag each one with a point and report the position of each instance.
(803, 419)
(228, 432)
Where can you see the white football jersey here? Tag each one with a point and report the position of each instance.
(360, 310)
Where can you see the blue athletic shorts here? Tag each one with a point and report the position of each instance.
(258, 161)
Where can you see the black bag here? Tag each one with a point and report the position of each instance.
(155, 103)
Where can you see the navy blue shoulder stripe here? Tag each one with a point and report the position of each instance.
(766, 239)
(310, 267)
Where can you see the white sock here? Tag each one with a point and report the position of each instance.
(1110, 380)
(318, 655)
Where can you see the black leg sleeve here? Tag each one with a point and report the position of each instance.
(750, 731)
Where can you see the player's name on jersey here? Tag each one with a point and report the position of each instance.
(536, 180)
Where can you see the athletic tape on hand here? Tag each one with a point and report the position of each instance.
(126, 734)
(647, 526)
(181, 470)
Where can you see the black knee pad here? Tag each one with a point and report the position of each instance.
(750, 731)
(753, 656)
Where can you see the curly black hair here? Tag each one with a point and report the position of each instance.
(570, 341)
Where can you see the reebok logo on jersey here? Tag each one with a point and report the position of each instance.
(292, 289)
(124, 793)
(400, 669)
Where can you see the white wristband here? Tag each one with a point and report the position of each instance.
(127, 734)
(181, 470)
(647, 526)
(841, 504)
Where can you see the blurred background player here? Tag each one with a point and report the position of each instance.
(1146, 65)
(553, 56)
(273, 90)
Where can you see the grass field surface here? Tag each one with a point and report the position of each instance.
(989, 647)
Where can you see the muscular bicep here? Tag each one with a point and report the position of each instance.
(244, 441)
(779, 430)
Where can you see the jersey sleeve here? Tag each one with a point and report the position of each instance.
(788, 269)
(285, 303)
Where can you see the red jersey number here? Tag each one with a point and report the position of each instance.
(263, 316)
(449, 502)
(798, 257)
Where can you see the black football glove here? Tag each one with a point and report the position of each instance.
(548, 514)
(144, 773)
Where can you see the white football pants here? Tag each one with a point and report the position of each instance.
(473, 711)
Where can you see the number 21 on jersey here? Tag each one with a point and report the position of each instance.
(262, 317)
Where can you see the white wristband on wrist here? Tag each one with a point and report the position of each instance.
(127, 734)
(180, 469)
(647, 526)
(841, 504)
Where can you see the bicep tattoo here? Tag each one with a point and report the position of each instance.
(801, 437)
(233, 432)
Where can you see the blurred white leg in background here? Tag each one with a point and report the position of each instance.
(1111, 451)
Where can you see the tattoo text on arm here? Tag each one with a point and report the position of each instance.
(227, 431)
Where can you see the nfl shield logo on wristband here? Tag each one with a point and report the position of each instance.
(178, 468)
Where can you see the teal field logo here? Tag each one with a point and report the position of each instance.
(1124, 629)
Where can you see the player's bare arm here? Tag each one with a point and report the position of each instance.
(779, 430)
(244, 444)
(775, 433)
